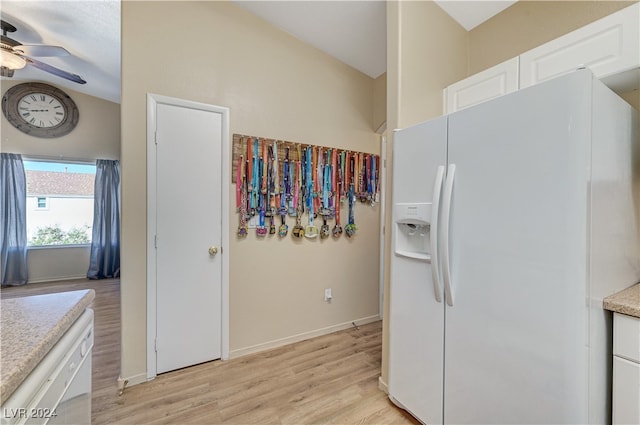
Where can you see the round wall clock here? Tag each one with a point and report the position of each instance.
(40, 110)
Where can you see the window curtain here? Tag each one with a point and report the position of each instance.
(105, 242)
(13, 220)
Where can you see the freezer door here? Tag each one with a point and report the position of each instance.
(516, 334)
(416, 317)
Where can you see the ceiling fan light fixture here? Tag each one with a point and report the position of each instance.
(11, 61)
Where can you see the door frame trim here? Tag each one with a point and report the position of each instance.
(152, 101)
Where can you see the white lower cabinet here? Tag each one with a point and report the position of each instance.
(626, 369)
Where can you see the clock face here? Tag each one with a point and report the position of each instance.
(41, 110)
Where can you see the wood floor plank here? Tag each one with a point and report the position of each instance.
(332, 379)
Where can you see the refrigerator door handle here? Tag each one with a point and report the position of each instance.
(435, 210)
(446, 218)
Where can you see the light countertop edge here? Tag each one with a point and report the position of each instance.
(30, 327)
(626, 301)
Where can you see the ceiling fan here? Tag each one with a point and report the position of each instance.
(14, 55)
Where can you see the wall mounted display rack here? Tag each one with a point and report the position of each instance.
(279, 178)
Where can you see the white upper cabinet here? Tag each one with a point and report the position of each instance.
(493, 82)
(608, 47)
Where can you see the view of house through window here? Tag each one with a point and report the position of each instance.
(59, 202)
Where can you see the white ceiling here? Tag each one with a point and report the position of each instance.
(354, 32)
(89, 30)
(471, 13)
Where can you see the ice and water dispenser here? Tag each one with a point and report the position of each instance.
(413, 230)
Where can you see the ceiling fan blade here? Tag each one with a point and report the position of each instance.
(42, 50)
(53, 70)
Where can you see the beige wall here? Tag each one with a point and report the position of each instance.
(528, 24)
(97, 135)
(633, 98)
(426, 51)
(59, 263)
(275, 87)
(380, 101)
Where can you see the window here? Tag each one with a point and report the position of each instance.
(59, 202)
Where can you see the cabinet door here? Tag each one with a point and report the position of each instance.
(488, 84)
(626, 391)
(626, 337)
(608, 47)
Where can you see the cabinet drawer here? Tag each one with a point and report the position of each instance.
(626, 337)
(626, 392)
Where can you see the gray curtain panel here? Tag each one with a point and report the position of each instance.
(13, 220)
(105, 243)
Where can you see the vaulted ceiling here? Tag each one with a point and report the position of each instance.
(351, 31)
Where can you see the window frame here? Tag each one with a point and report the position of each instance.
(43, 207)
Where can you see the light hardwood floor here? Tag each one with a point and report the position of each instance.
(331, 379)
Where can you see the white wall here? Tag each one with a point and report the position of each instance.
(58, 263)
(67, 212)
(275, 87)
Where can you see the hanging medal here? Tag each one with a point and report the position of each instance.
(337, 189)
(325, 231)
(261, 230)
(362, 170)
(298, 230)
(293, 206)
(373, 180)
(241, 198)
(284, 229)
(350, 228)
(310, 231)
(254, 171)
(271, 210)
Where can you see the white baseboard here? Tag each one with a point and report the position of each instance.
(57, 279)
(131, 380)
(300, 337)
(382, 386)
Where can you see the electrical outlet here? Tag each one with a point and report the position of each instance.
(327, 295)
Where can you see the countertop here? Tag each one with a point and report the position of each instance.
(625, 302)
(30, 327)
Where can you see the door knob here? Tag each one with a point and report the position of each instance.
(213, 250)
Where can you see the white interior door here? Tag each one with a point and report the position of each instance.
(188, 226)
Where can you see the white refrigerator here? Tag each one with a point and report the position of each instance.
(512, 220)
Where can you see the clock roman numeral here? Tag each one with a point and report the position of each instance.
(33, 97)
(43, 97)
(26, 115)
